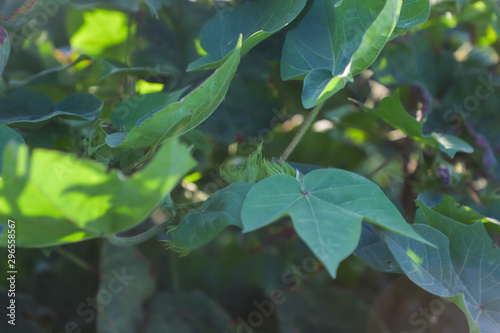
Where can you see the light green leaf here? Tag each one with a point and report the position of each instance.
(392, 111)
(221, 210)
(327, 207)
(126, 282)
(7, 135)
(256, 21)
(178, 118)
(101, 29)
(463, 214)
(57, 198)
(334, 41)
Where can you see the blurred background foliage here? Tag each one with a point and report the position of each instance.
(116, 49)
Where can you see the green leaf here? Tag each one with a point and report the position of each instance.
(132, 111)
(334, 41)
(23, 107)
(180, 117)
(413, 13)
(197, 139)
(125, 284)
(465, 263)
(221, 210)
(327, 207)
(57, 198)
(49, 76)
(373, 250)
(7, 135)
(101, 29)
(255, 20)
(4, 49)
(392, 111)
(426, 266)
(156, 5)
(463, 214)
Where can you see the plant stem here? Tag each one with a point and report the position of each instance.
(300, 134)
(141, 160)
(137, 239)
(74, 259)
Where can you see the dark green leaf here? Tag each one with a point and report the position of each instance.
(4, 49)
(327, 207)
(256, 21)
(221, 210)
(23, 107)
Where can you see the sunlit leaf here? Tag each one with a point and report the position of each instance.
(58, 198)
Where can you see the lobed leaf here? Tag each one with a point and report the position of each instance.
(327, 208)
(464, 267)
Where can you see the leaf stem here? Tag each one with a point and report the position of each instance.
(74, 259)
(141, 160)
(137, 239)
(301, 132)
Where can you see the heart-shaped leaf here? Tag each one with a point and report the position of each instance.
(327, 208)
(256, 21)
(334, 41)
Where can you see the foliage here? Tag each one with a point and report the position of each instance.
(292, 151)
